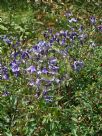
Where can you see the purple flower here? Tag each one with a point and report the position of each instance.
(37, 81)
(44, 70)
(62, 42)
(73, 20)
(53, 60)
(46, 81)
(4, 72)
(54, 68)
(82, 37)
(48, 98)
(15, 54)
(16, 44)
(92, 20)
(41, 43)
(6, 93)
(6, 76)
(35, 48)
(65, 33)
(31, 83)
(61, 32)
(50, 30)
(52, 40)
(73, 35)
(45, 92)
(80, 28)
(68, 14)
(46, 35)
(100, 28)
(57, 34)
(57, 39)
(7, 40)
(16, 73)
(78, 65)
(31, 69)
(14, 67)
(25, 55)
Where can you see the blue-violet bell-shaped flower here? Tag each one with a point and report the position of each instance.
(31, 69)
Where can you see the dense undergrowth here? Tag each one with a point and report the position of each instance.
(51, 69)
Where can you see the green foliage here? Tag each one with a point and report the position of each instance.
(76, 108)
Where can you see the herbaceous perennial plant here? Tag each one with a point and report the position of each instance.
(50, 61)
(40, 69)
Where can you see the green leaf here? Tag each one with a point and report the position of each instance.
(3, 28)
(8, 134)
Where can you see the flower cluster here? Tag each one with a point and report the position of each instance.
(40, 63)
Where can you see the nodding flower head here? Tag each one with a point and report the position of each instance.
(31, 69)
(44, 70)
(14, 67)
(6, 76)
